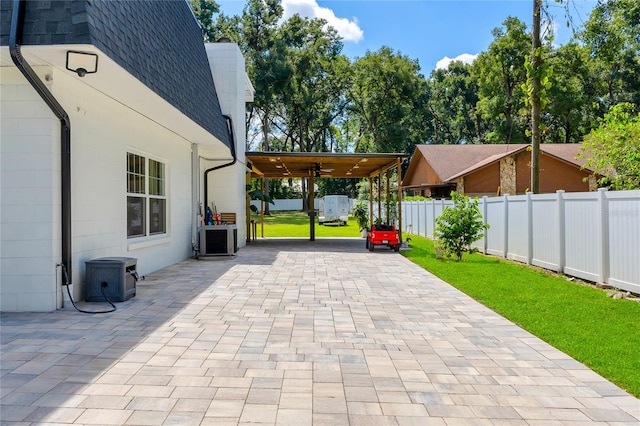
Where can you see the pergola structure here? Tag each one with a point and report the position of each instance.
(319, 165)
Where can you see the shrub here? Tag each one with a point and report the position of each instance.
(459, 226)
(361, 214)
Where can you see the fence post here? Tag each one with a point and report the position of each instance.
(603, 225)
(426, 217)
(484, 222)
(433, 219)
(562, 245)
(529, 229)
(407, 216)
(506, 224)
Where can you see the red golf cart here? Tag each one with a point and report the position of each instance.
(383, 235)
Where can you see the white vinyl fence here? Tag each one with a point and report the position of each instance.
(590, 235)
(291, 204)
(283, 205)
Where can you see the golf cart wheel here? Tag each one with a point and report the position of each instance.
(396, 248)
(371, 247)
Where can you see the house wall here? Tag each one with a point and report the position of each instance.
(523, 172)
(227, 185)
(422, 174)
(554, 175)
(484, 181)
(102, 132)
(29, 196)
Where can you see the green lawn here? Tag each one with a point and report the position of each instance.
(601, 332)
(296, 224)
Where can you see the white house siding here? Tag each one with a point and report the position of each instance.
(102, 132)
(29, 196)
(227, 185)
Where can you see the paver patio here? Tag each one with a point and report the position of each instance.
(295, 333)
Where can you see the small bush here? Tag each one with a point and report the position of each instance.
(459, 226)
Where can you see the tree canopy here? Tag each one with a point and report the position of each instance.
(613, 148)
(310, 97)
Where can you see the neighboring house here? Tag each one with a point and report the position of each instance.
(477, 170)
(113, 162)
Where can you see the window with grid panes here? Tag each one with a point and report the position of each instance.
(146, 196)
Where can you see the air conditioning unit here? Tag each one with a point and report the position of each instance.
(218, 240)
(118, 274)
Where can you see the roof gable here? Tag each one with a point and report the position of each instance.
(567, 152)
(158, 42)
(450, 160)
(488, 161)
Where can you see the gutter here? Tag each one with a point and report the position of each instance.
(15, 42)
(233, 161)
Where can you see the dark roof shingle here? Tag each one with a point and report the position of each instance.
(159, 42)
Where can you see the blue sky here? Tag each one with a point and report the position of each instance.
(427, 30)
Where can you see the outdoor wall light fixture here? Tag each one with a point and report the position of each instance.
(82, 63)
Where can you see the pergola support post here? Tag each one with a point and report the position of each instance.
(312, 208)
(262, 208)
(370, 201)
(399, 167)
(387, 205)
(248, 207)
(379, 196)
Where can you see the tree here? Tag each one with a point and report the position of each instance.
(255, 32)
(612, 34)
(453, 100)
(571, 111)
(613, 149)
(387, 101)
(314, 95)
(537, 78)
(459, 226)
(330, 186)
(204, 11)
(500, 73)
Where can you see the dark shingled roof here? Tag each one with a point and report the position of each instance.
(159, 42)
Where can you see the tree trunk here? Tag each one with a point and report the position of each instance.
(536, 106)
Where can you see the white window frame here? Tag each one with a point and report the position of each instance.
(142, 188)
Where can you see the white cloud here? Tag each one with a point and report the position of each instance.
(465, 58)
(347, 29)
